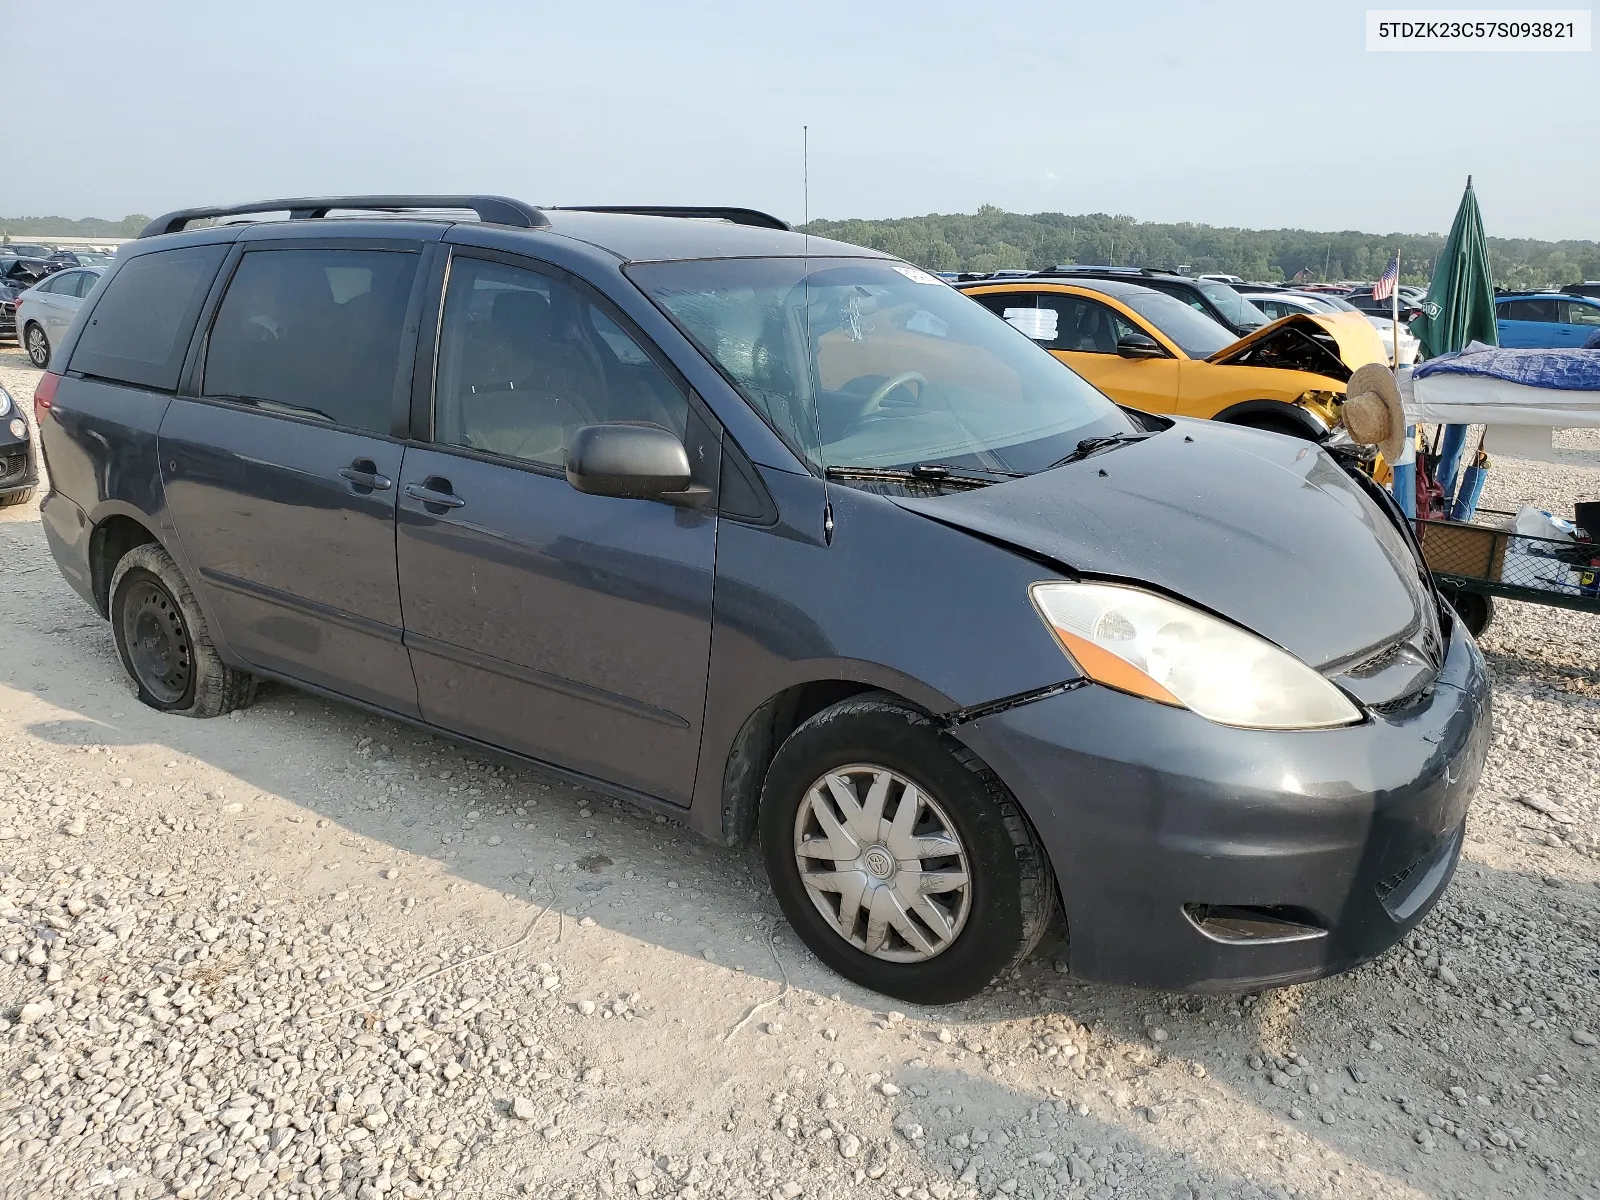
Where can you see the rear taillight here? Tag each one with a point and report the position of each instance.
(44, 395)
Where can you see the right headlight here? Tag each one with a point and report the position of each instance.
(1145, 644)
(5, 402)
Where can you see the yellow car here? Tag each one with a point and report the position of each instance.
(1150, 351)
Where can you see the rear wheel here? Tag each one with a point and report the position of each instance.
(37, 346)
(901, 860)
(162, 638)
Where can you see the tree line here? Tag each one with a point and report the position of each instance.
(992, 239)
(20, 229)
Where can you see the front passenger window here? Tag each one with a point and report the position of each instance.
(526, 360)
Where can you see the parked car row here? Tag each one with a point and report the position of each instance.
(23, 265)
(1279, 302)
(45, 310)
(1546, 319)
(787, 538)
(1156, 341)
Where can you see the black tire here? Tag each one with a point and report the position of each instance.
(1012, 896)
(1474, 608)
(1272, 423)
(162, 637)
(37, 345)
(11, 499)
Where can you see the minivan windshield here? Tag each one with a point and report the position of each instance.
(873, 363)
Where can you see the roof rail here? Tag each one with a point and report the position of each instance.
(495, 210)
(738, 216)
(1079, 268)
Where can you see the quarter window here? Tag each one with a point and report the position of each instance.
(315, 333)
(139, 330)
(527, 359)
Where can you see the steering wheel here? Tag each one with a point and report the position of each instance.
(881, 392)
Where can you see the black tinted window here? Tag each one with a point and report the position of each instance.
(314, 333)
(526, 360)
(140, 327)
(1527, 310)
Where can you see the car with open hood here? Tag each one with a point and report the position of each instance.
(782, 538)
(1147, 350)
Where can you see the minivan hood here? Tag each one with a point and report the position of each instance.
(1349, 336)
(1264, 529)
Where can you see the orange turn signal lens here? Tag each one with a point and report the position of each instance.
(1106, 668)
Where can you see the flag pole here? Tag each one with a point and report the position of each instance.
(1394, 308)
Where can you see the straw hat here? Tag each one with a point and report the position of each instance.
(1373, 414)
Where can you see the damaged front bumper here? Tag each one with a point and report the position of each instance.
(1192, 856)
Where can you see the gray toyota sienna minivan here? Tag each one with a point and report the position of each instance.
(787, 538)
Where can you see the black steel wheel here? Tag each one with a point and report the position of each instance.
(162, 638)
(159, 649)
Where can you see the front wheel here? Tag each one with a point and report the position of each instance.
(1475, 609)
(900, 859)
(162, 638)
(37, 345)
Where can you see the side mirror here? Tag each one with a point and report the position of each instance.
(634, 461)
(1140, 345)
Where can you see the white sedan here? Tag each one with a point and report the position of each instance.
(1281, 304)
(46, 309)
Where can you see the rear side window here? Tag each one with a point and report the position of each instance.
(139, 330)
(1527, 310)
(314, 333)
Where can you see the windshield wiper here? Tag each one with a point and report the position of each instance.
(1093, 445)
(935, 473)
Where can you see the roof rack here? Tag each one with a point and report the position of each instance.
(496, 210)
(1084, 268)
(737, 216)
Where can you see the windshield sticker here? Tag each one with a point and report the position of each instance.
(916, 276)
(1038, 323)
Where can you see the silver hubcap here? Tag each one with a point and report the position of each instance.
(882, 863)
(35, 343)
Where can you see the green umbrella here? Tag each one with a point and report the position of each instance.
(1460, 304)
(1459, 309)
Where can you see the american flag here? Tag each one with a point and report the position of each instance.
(1384, 288)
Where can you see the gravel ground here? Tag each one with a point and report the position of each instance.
(305, 952)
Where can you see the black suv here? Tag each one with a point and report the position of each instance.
(1215, 299)
(776, 534)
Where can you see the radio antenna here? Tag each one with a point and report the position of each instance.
(805, 177)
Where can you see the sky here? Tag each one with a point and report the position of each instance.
(1242, 114)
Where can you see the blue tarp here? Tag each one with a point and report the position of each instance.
(1563, 370)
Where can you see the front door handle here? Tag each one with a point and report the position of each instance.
(439, 496)
(363, 473)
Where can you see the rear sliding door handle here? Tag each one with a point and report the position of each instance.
(432, 498)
